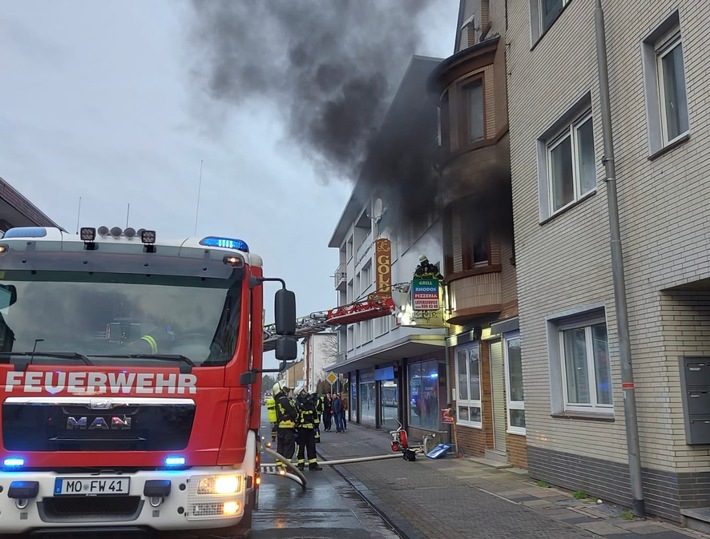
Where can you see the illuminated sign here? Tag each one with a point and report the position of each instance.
(425, 294)
(383, 284)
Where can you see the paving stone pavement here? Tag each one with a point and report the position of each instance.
(463, 498)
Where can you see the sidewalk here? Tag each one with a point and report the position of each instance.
(465, 497)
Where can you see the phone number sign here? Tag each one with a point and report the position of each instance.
(425, 294)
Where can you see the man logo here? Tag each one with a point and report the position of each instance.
(99, 423)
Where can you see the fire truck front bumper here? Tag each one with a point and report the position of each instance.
(192, 499)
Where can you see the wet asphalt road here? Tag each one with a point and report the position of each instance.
(329, 508)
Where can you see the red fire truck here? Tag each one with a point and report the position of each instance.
(129, 373)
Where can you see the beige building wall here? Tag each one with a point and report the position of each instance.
(564, 263)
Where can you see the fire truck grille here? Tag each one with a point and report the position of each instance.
(28, 426)
(99, 507)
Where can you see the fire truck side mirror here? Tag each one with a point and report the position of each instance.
(286, 348)
(285, 312)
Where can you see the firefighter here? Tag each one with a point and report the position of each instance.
(286, 416)
(427, 270)
(319, 401)
(271, 412)
(306, 404)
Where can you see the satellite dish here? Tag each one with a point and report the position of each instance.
(377, 210)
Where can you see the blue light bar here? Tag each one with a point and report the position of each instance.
(225, 243)
(26, 232)
(13, 462)
(175, 461)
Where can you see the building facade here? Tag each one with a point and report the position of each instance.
(483, 344)
(320, 350)
(574, 401)
(396, 371)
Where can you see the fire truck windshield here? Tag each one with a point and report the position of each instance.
(109, 318)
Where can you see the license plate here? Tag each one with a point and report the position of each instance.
(91, 486)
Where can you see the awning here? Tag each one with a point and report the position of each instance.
(411, 347)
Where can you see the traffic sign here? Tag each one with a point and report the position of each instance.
(331, 378)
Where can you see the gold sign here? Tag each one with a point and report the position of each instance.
(383, 251)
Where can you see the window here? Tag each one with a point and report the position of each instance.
(543, 13)
(514, 384)
(571, 170)
(351, 337)
(365, 331)
(365, 278)
(671, 82)
(468, 386)
(382, 325)
(566, 162)
(474, 99)
(664, 80)
(475, 241)
(349, 248)
(580, 363)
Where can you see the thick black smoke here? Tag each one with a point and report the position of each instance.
(332, 68)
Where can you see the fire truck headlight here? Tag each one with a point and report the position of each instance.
(220, 484)
(230, 508)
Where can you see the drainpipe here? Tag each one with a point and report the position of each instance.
(617, 269)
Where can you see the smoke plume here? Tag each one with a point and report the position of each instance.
(331, 67)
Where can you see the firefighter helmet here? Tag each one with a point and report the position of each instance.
(279, 387)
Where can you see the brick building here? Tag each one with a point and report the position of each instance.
(574, 404)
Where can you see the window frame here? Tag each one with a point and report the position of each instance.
(475, 82)
(511, 404)
(571, 132)
(462, 107)
(537, 25)
(468, 403)
(577, 115)
(585, 316)
(663, 49)
(654, 47)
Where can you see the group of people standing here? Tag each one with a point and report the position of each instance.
(296, 422)
(334, 410)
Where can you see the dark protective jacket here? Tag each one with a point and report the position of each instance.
(306, 412)
(285, 412)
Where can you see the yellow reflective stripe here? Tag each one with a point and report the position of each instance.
(151, 341)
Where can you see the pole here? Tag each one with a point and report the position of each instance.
(128, 212)
(78, 215)
(617, 269)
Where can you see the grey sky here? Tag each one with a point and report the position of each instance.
(101, 102)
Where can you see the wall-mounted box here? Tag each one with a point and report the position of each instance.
(695, 386)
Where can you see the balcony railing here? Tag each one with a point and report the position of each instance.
(340, 276)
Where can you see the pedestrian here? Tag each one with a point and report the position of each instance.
(286, 415)
(337, 406)
(344, 398)
(306, 405)
(327, 412)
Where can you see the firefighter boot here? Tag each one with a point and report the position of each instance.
(314, 466)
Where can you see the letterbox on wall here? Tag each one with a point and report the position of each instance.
(695, 384)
